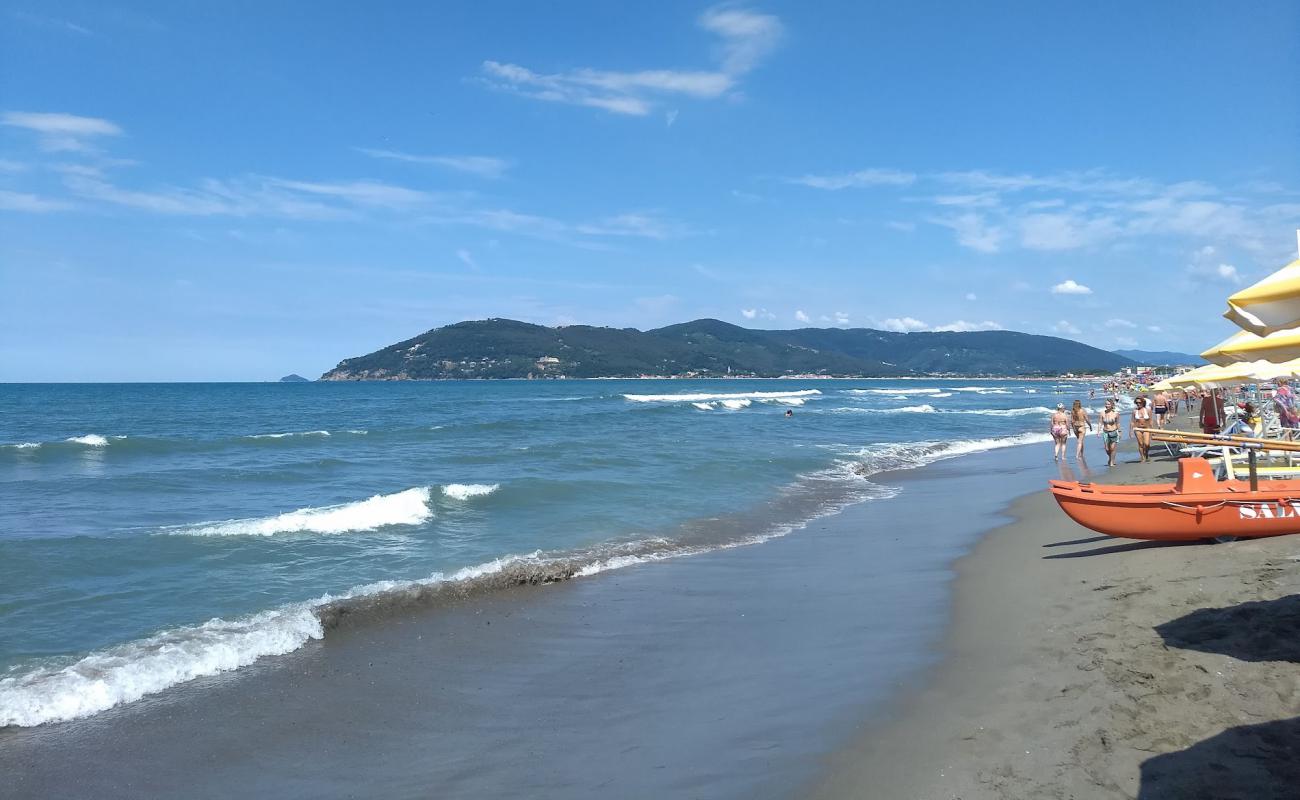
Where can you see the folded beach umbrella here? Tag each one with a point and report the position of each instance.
(1271, 305)
(1283, 345)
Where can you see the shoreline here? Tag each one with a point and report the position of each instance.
(688, 663)
(1077, 665)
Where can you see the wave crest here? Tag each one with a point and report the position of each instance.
(410, 507)
(705, 397)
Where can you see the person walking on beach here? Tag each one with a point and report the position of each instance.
(1211, 411)
(1161, 408)
(1110, 432)
(1288, 415)
(1060, 428)
(1141, 419)
(1082, 424)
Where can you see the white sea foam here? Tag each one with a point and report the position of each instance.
(790, 401)
(126, 673)
(736, 405)
(878, 458)
(929, 409)
(904, 392)
(464, 491)
(942, 394)
(90, 440)
(24, 445)
(703, 406)
(700, 398)
(291, 433)
(410, 507)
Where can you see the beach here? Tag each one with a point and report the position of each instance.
(952, 635)
(1082, 666)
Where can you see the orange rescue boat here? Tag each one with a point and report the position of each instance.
(1195, 507)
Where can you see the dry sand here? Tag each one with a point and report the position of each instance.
(1086, 667)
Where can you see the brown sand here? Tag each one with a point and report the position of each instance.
(1086, 667)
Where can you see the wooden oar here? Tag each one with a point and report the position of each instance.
(1250, 444)
(1245, 442)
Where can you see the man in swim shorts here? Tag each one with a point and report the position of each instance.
(1161, 408)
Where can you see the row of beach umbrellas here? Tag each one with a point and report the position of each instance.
(1268, 345)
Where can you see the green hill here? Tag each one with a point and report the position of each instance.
(502, 348)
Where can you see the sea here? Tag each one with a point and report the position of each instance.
(153, 534)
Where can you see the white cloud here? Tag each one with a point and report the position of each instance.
(746, 38)
(1063, 231)
(483, 166)
(1120, 323)
(801, 317)
(971, 296)
(467, 258)
(1065, 326)
(1070, 287)
(973, 231)
(856, 180)
(749, 313)
(1223, 273)
(904, 324)
(61, 132)
(21, 201)
(841, 318)
(962, 326)
(670, 117)
(898, 225)
(1154, 328)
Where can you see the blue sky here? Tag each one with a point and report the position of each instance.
(235, 191)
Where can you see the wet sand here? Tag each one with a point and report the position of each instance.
(1079, 666)
(728, 675)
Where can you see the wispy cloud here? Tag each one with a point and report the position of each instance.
(52, 23)
(254, 196)
(643, 225)
(57, 132)
(973, 230)
(482, 166)
(856, 180)
(1067, 327)
(800, 316)
(21, 201)
(746, 38)
(904, 324)
(466, 258)
(962, 326)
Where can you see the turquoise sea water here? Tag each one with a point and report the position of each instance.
(150, 534)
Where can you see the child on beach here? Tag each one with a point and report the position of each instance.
(1060, 428)
(1082, 424)
(1110, 431)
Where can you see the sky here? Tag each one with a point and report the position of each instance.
(240, 190)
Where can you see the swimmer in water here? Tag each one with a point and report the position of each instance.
(789, 412)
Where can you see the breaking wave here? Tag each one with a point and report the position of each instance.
(287, 435)
(91, 440)
(410, 507)
(125, 673)
(903, 392)
(701, 398)
(464, 491)
(929, 409)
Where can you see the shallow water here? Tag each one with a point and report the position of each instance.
(150, 534)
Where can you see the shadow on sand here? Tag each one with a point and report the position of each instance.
(1118, 548)
(1268, 630)
(1249, 761)
(1089, 540)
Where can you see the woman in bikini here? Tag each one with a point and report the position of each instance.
(1060, 428)
(1110, 432)
(1141, 419)
(1082, 424)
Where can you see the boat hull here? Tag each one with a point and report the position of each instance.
(1163, 514)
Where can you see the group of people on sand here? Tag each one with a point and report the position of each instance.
(1078, 421)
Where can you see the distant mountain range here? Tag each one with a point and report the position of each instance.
(503, 348)
(1161, 358)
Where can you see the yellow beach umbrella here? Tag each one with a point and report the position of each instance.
(1283, 345)
(1266, 371)
(1271, 305)
(1192, 377)
(1162, 386)
(1217, 354)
